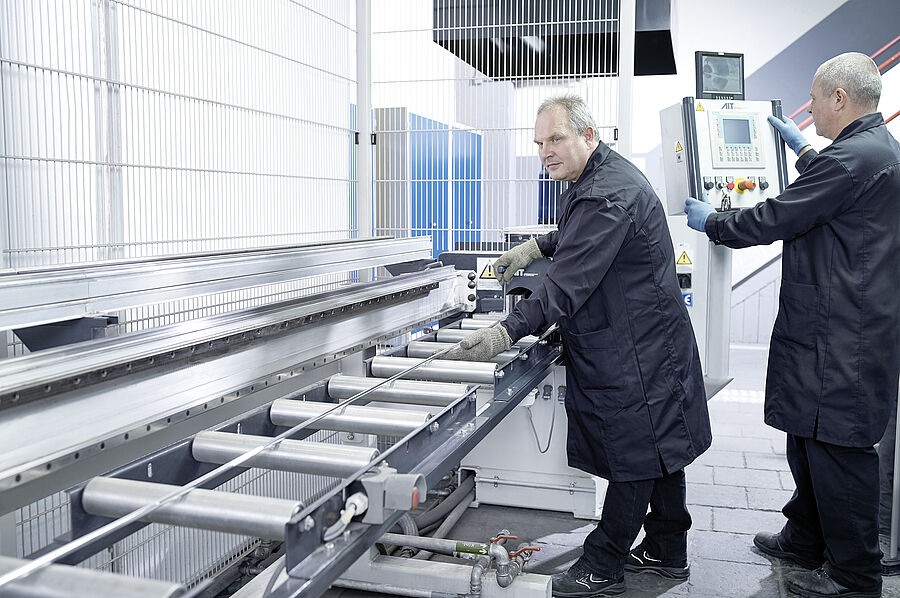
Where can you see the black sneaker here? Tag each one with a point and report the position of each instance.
(775, 545)
(578, 582)
(818, 584)
(638, 561)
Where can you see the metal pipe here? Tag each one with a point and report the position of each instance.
(454, 335)
(448, 524)
(440, 370)
(362, 420)
(478, 570)
(415, 392)
(419, 349)
(288, 455)
(257, 516)
(440, 545)
(62, 581)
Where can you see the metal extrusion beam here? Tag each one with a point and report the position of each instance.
(53, 294)
(142, 382)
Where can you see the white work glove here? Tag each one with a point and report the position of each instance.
(506, 266)
(481, 344)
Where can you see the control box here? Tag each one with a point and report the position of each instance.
(727, 151)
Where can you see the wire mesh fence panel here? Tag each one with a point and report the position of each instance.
(456, 88)
(161, 127)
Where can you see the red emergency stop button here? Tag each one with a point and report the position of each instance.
(746, 185)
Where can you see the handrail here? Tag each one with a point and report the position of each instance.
(882, 67)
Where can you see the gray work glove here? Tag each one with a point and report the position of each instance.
(481, 345)
(515, 259)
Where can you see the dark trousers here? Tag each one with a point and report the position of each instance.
(833, 513)
(625, 510)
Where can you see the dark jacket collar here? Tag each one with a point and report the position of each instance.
(869, 121)
(600, 152)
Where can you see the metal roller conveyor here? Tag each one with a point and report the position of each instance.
(362, 420)
(439, 370)
(454, 335)
(289, 455)
(421, 349)
(60, 581)
(475, 323)
(413, 392)
(256, 516)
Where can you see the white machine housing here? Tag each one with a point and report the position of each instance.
(727, 150)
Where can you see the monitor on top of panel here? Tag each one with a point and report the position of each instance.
(720, 75)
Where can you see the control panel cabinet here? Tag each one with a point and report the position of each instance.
(723, 148)
(727, 151)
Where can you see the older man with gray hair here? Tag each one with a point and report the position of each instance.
(834, 358)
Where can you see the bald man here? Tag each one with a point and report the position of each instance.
(834, 357)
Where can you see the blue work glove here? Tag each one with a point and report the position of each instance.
(789, 132)
(697, 210)
(481, 345)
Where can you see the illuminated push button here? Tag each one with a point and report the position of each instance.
(730, 186)
(746, 185)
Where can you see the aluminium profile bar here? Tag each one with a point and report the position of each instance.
(51, 294)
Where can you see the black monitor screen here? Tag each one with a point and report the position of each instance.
(736, 130)
(722, 74)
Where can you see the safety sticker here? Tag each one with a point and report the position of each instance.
(700, 107)
(487, 276)
(688, 299)
(683, 259)
(678, 147)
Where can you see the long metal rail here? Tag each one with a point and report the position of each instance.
(51, 294)
(51, 438)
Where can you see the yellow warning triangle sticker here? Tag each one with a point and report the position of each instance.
(488, 272)
(678, 147)
(700, 108)
(683, 259)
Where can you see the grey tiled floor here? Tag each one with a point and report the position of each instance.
(734, 490)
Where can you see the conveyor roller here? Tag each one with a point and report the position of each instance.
(439, 370)
(205, 509)
(289, 455)
(422, 349)
(351, 418)
(454, 335)
(414, 392)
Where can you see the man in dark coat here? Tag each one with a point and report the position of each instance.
(834, 357)
(635, 399)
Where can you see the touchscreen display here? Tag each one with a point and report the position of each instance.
(736, 130)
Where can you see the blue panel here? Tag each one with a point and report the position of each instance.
(466, 189)
(548, 198)
(428, 143)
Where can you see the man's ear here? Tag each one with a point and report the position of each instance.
(840, 98)
(589, 134)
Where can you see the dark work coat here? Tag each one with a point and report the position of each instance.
(635, 393)
(834, 358)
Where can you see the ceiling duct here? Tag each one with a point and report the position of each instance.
(563, 39)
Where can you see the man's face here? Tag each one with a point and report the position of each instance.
(563, 153)
(821, 107)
